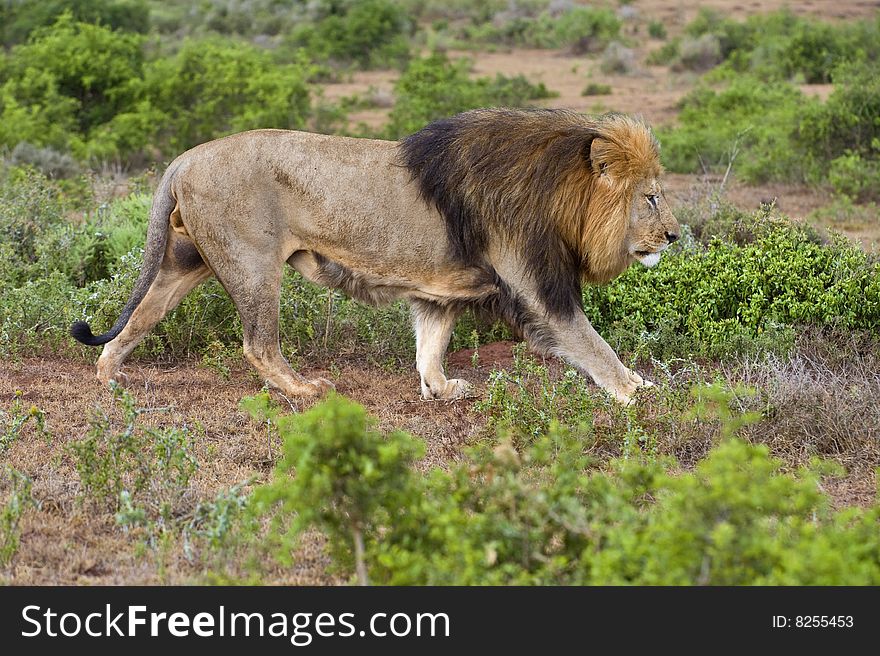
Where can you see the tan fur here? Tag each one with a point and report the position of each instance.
(344, 211)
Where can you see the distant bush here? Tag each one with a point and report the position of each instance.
(596, 89)
(435, 87)
(699, 54)
(777, 133)
(656, 30)
(88, 90)
(372, 33)
(780, 45)
(67, 81)
(580, 29)
(772, 46)
(842, 136)
(749, 119)
(48, 161)
(617, 58)
(19, 19)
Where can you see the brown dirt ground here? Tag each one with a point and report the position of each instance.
(66, 543)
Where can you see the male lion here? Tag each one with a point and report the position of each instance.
(506, 211)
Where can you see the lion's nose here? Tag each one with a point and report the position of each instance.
(671, 237)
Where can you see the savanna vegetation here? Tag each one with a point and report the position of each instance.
(752, 461)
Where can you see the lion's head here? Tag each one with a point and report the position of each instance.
(578, 197)
(627, 217)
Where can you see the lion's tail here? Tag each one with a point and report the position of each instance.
(154, 251)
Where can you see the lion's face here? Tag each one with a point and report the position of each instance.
(652, 226)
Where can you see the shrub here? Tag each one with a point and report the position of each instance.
(541, 516)
(48, 161)
(657, 30)
(580, 29)
(213, 87)
(699, 54)
(13, 421)
(526, 401)
(749, 121)
(18, 500)
(435, 87)
(596, 89)
(18, 20)
(845, 128)
(135, 468)
(345, 483)
(736, 295)
(372, 33)
(854, 177)
(617, 58)
(782, 46)
(68, 80)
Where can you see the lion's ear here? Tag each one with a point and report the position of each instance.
(600, 152)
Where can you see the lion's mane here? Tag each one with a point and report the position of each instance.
(554, 185)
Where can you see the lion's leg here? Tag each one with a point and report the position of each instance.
(577, 342)
(256, 291)
(433, 326)
(182, 269)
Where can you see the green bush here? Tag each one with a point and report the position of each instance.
(68, 80)
(435, 87)
(749, 121)
(127, 464)
(842, 136)
(656, 30)
(542, 516)
(372, 33)
(346, 483)
(722, 298)
(596, 89)
(782, 46)
(19, 19)
(771, 131)
(581, 29)
(213, 87)
(18, 500)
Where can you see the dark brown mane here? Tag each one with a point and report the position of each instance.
(535, 181)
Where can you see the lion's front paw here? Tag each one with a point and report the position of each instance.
(454, 388)
(624, 392)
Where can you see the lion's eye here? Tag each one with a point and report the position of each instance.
(652, 201)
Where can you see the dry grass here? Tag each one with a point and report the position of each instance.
(823, 399)
(68, 542)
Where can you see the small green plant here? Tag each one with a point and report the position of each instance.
(526, 401)
(13, 421)
(347, 482)
(657, 30)
(18, 500)
(596, 89)
(137, 471)
(713, 402)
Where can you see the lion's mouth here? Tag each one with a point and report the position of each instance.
(648, 258)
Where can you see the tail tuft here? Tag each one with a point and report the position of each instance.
(82, 332)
